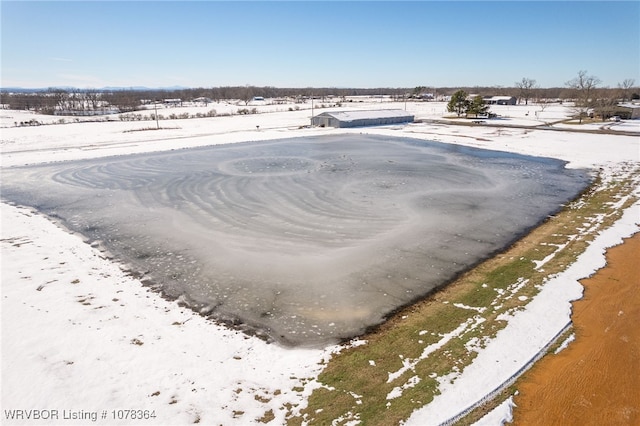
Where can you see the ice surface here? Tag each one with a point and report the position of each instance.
(308, 240)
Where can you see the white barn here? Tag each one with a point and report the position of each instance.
(362, 118)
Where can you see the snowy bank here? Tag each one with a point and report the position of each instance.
(527, 332)
(80, 334)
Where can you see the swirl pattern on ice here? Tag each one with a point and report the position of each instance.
(305, 241)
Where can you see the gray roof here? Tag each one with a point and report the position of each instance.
(367, 114)
(499, 98)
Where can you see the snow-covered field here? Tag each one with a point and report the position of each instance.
(84, 340)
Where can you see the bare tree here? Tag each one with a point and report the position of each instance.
(527, 87)
(543, 103)
(605, 104)
(246, 94)
(125, 100)
(76, 103)
(61, 98)
(625, 88)
(583, 88)
(93, 99)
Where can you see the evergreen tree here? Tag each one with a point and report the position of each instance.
(477, 107)
(458, 103)
(417, 91)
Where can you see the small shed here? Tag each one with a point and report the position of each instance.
(362, 118)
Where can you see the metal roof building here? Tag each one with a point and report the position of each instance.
(362, 118)
(500, 100)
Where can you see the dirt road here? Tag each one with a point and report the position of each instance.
(596, 380)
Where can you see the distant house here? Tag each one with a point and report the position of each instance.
(256, 101)
(362, 118)
(172, 102)
(203, 100)
(500, 100)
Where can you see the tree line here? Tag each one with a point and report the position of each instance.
(588, 99)
(583, 90)
(49, 100)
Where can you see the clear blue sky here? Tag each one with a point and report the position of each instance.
(92, 44)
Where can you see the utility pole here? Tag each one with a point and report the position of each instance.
(311, 110)
(155, 107)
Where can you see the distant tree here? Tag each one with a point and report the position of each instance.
(417, 91)
(246, 94)
(458, 103)
(60, 96)
(527, 87)
(45, 103)
(127, 100)
(543, 103)
(497, 90)
(17, 101)
(76, 101)
(93, 98)
(583, 88)
(606, 106)
(477, 107)
(625, 88)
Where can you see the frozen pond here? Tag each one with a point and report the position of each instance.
(307, 240)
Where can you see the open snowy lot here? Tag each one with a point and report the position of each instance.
(83, 341)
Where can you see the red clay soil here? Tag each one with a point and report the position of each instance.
(596, 379)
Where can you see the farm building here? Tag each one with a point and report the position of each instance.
(500, 100)
(362, 118)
